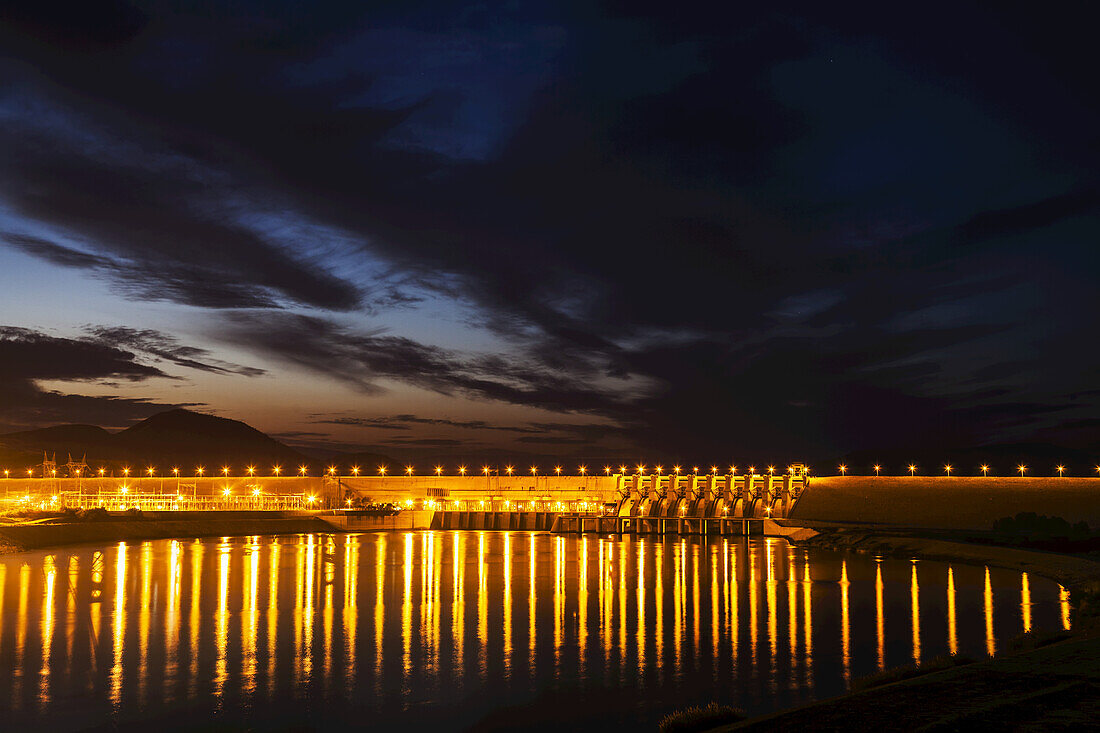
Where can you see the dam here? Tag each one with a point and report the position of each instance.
(639, 502)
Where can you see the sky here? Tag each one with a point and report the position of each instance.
(587, 230)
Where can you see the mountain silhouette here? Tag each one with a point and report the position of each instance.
(168, 439)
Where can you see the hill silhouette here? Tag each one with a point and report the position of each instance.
(174, 438)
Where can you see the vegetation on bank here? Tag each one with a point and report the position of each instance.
(908, 671)
(699, 718)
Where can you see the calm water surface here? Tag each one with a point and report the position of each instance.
(478, 630)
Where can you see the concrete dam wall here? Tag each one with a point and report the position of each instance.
(941, 502)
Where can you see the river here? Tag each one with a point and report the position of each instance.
(483, 630)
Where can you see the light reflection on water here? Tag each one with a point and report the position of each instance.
(457, 626)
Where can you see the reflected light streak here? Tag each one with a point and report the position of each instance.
(406, 609)
(458, 600)
(143, 618)
(49, 570)
(914, 600)
(880, 620)
(118, 625)
(272, 611)
(990, 641)
(641, 632)
(952, 623)
(845, 624)
(507, 603)
(808, 622)
(1025, 602)
(221, 621)
(1063, 604)
(350, 611)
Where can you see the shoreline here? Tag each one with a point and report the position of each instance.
(1069, 571)
(15, 538)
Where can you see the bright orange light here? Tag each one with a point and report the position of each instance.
(843, 469)
(461, 470)
(126, 472)
(622, 469)
(752, 470)
(676, 469)
(1021, 468)
(251, 470)
(349, 502)
(947, 468)
(485, 470)
(641, 468)
(311, 499)
(985, 470)
(509, 470)
(302, 470)
(1061, 470)
(408, 470)
(256, 491)
(149, 470)
(438, 470)
(714, 469)
(225, 470)
(912, 469)
(331, 470)
(557, 470)
(771, 469)
(583, 470)
(877, 469)
(607, 470)
(100, 471)
(534, 470)
(31, 473)
(176, 471)
(276, 469)
(355, 470)
(225, 491)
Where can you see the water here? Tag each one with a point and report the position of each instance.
(473, 629)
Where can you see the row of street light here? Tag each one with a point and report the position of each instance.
(640, 469)
(948, 469)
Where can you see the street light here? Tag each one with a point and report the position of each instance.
(276, 470)
(771, 469)
(461, 470)
(583, 470)
(985, 470)
(150, 470)
(251, 470)
(225, 471)
(947, 468)
(1021, 468)
(509, 470)
(125, 471)
(534, 470)
(485, 470)
(676, 470)
(877, 469)
(912, 469)
(381, 470)
(439, 470)
(175, 472)
(302, 470)
(1061, 470)
(332, 470)
(408, 470)
(714, 469)
(557, 470)
(843, 469)
(607, 470)
(199, 470)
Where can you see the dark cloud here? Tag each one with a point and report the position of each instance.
(27, 356)
(323, 346)
(405, 422)
(803, 227)
(163, 346)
